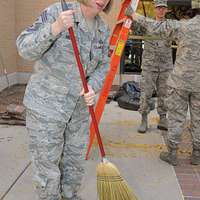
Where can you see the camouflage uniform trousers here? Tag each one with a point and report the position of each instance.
(178, 103)
(153, 81)
(57, 150)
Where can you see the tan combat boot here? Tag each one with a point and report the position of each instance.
(170, 156)
(163, 123)
(195, 158)
(143, 126)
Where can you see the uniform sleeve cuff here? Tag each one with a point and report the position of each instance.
(140, 19)
(47, 34)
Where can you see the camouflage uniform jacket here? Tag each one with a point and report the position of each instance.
(157, 54)
(186, 33)
(55, 86)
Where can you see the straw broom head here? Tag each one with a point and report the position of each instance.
(110, 184)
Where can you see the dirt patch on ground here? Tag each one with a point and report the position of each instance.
(11, 95)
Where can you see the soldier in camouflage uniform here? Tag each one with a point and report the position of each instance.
(184, 81)
(156, 67)
(57, 113)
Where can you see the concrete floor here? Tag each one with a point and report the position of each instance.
(135, 155)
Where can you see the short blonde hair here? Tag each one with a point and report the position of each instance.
(106, 9)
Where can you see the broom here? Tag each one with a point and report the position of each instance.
(110, 184)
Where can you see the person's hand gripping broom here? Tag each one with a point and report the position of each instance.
(110, 184)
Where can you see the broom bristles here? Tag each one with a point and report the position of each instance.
(110, 184)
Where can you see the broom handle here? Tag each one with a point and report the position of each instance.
(85, 86)
(84, 81)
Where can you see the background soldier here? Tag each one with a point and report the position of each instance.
(156, 67)
(184, 81)
(57, 115)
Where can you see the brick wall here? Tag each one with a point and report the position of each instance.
(7, 36)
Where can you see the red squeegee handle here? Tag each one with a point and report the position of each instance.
(84, 81)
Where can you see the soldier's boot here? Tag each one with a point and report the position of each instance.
(170, 156)
(163, 123)
(195, 158)
(143, 126)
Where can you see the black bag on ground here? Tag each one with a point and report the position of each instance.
(128, 96)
